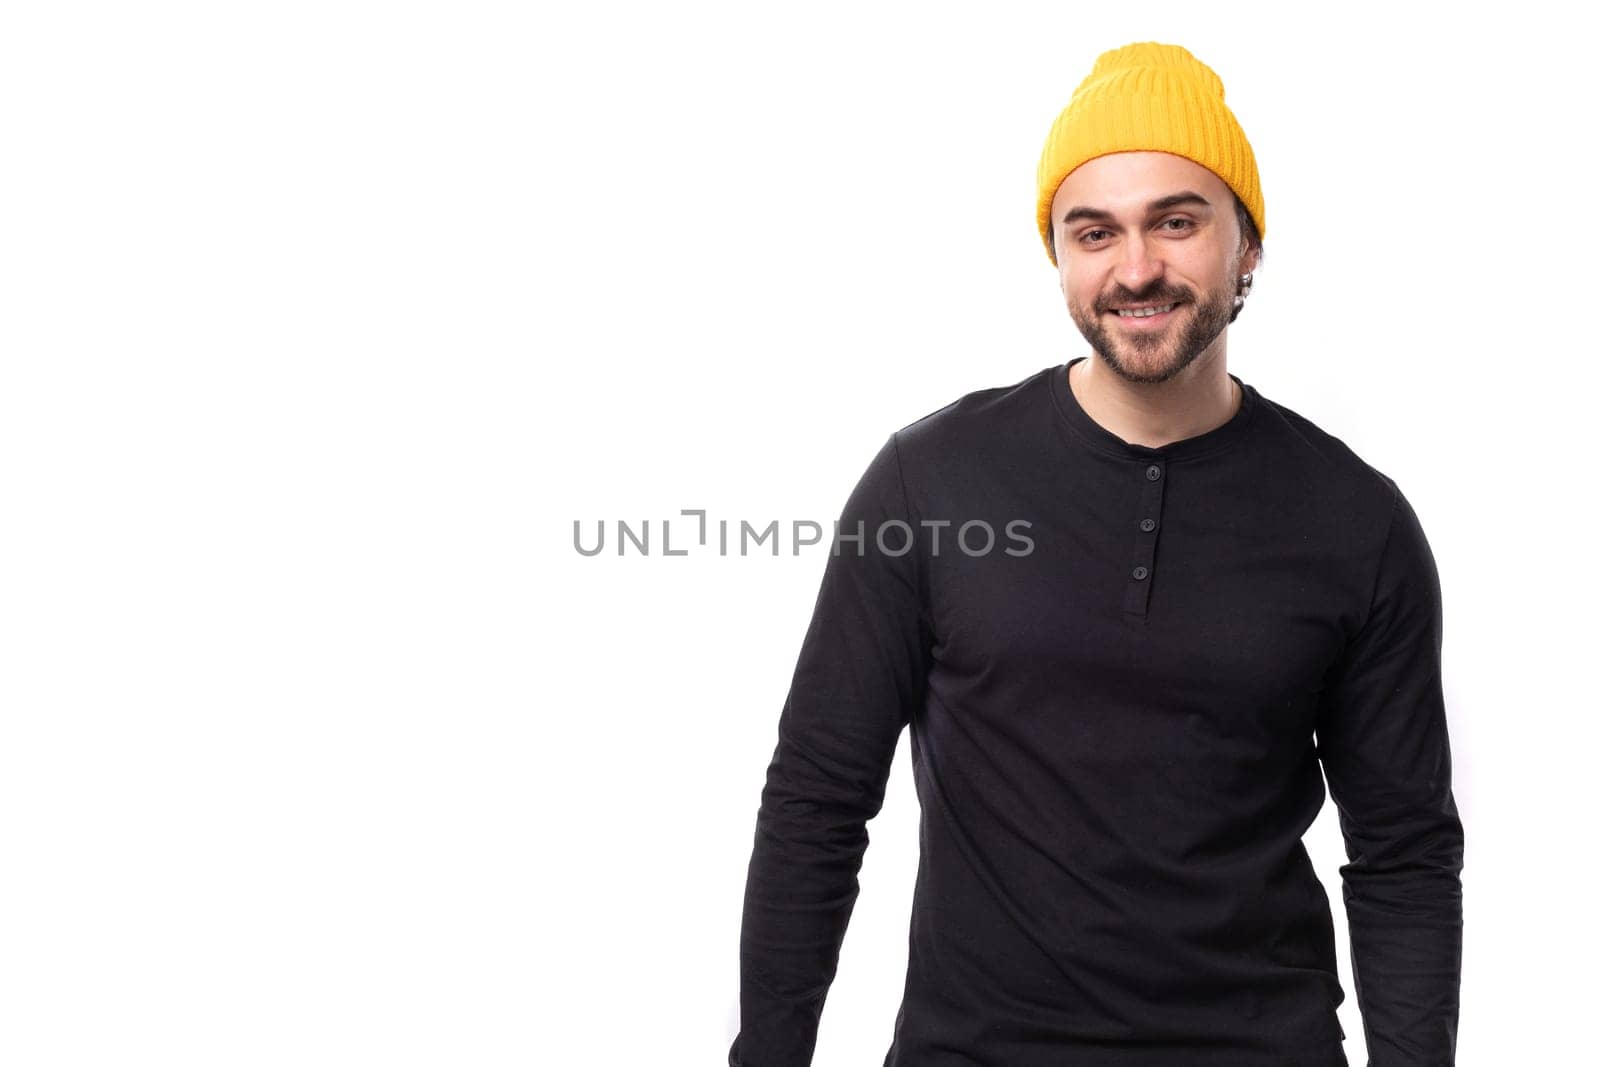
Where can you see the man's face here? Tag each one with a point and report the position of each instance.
(1122, 248)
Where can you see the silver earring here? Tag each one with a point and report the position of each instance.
(1244, 290)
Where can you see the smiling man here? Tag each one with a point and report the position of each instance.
(1119, 738)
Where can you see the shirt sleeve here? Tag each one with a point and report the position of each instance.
(1384, 745)
(861, 672)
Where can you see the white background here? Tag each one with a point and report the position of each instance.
(323, 322)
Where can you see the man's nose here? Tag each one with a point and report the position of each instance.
(1139, 265)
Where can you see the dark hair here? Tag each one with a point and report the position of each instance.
(1252, 239)
(1247, 225)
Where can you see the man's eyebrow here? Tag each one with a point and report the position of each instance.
(1101, 215)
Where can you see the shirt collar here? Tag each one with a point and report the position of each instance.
(1088, 432)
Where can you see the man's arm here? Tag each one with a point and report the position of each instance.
(861, 671)
(1383, 741)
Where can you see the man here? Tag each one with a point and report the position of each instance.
(1119, 737)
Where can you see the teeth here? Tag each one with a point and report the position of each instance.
(1145, 313)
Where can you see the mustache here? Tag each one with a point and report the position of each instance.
(1126, 300)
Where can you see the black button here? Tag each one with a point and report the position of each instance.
(1140, 573)
(1147, 525)
(1152, 472)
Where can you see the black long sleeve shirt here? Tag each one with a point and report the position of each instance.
(1117, 718)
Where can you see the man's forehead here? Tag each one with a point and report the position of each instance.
(1133, 182)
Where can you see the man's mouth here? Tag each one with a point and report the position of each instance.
(1146, 315)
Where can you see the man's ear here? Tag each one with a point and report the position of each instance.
(1250, 261)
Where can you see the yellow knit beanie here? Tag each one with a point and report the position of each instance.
(1156, 98)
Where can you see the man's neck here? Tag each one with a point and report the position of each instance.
(1156, 414)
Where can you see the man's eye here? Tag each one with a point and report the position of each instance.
(1088, 237)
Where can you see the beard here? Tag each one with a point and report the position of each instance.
(1160, 354)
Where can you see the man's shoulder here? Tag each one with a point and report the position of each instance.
(982, 415)
(1322, 462)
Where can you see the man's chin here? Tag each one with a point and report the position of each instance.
(1143, 364)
